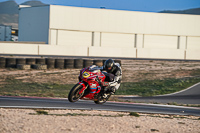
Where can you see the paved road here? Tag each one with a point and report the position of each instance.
(187, 96)
(24, 102)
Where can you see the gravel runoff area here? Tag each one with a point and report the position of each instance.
(76, 121)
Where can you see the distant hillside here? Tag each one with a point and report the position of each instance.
(34, 3)
(9, 7)
(194, 11)
(9, 12)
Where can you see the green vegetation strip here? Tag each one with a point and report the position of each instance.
(15, 87)
(156, 87)
(134, 114)
(43, 112)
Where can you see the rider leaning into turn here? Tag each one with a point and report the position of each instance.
(114, 74)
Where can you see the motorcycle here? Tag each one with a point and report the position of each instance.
(91, 86)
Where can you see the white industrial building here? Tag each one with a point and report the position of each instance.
(75, 31)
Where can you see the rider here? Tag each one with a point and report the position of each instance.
(114, 74)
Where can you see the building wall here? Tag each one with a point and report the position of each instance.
(110, 33)
(117, 40)
(5, 33)
(103, 20)
(72, 38)
(160, 41)
(161, 53)
(62, 50)
(193, 43)
(41, 49)
(34, 24)
(17, 48)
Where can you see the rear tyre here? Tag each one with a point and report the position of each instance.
(74, 93)
(10, 62)
(41, 61)
(30, 61)
(98, 62)
(50, 62)
(2, 62)
(87, 63)
(102, 99)
(39, 66)
(23, 67)
(59, 63)
(78, 63)
(69, 63)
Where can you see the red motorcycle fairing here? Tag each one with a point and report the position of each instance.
(89, 81)
(83, 88)
(93, 90)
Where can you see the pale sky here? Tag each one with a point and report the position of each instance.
(132, 5)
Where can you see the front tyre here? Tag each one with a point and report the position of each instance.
(74, 93)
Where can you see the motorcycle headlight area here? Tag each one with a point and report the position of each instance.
(86, 75)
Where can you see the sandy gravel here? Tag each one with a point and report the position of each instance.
(27, 121)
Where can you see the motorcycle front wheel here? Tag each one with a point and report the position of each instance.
(74, 93)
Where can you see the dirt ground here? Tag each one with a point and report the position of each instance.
(76, 121)
(133, 71)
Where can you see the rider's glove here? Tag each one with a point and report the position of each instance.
(119, 81)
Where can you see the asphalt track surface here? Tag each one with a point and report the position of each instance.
(187, 96)
(48, 103)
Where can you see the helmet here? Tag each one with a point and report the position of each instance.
(108, 65)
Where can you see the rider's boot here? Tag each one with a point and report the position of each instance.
(112, 90)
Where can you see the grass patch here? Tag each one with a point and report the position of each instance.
(181, 122)
(156, 87)
(41, 112)
(15, 87)
(154, 130)
(175, 117)
(173, 103)
(191, 105)
(134, 114)
(196, 72)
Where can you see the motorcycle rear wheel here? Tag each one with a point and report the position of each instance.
(74, 93)
(101, 99)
